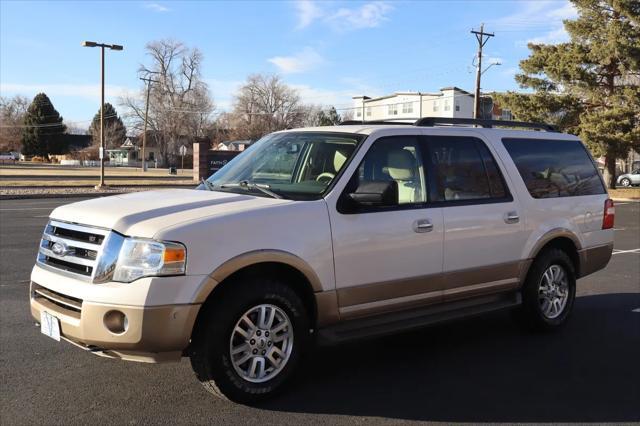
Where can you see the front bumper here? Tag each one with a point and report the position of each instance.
(153, 334)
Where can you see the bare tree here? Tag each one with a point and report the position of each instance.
(179, 105)
(265, 104)
(12, 113)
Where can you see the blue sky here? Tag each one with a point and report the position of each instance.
(328, 50)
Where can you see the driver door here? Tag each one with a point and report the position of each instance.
(389, 258)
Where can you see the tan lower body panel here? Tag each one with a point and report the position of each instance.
(594, 258)
(391, 296)
(155, 333)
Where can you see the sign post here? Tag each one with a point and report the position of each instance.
(183, 152)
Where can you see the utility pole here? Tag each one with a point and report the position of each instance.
(102, 46)
(146, 119)
(482, 38)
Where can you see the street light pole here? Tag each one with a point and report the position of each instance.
(102, 142)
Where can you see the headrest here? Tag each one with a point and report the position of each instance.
(401, 164)
(338, 160)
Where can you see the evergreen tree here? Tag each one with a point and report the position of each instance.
(115, 133)
(43, 130)
(330, 118)
(590, 85)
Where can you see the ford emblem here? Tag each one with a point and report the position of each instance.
(59, 249)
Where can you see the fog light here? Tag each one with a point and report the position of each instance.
(116, 322)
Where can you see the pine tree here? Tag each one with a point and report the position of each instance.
(590, 85)
(43, 128)
(330, 118)
(115, 133)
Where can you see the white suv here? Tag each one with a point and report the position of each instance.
(327, 234)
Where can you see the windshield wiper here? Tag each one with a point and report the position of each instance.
(208, 185)
(262, 187)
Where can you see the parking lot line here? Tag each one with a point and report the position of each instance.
(626, 251)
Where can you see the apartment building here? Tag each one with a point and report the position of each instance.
(448, 102)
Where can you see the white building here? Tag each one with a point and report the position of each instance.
(450, 102)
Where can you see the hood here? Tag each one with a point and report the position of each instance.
(143, 214)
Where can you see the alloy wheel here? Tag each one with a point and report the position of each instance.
(553, 291)
(261, 343)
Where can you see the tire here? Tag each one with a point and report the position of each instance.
(215, 337)
(536, 312)
(626, 182)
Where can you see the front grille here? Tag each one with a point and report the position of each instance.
(71, 248)
(70, 305)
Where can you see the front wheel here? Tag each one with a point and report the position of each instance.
(248, 344)
(626, 182)
(549, 291)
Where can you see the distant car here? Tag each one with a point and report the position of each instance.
(7, 156)
(629, 179)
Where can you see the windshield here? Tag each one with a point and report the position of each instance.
(297, 165)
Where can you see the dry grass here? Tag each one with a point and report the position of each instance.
(62, 171)
(632, 193)
(108, 181)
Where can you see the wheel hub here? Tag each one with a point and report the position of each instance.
(553, 291)
(261, 343)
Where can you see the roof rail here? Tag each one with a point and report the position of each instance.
(435, 121)
(407, 121)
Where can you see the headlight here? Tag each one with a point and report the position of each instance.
(143, 258)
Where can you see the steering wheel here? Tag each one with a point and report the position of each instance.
(325, 176)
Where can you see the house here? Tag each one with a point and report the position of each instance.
(130, 152)
(240, 145)
(451, 102)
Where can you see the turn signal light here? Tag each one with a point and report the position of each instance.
(174, 254)
(609, 214)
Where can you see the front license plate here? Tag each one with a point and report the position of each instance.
(50, 325)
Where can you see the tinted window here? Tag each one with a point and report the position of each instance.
(496, 183)
(396, 158)
(554, 168)
(464, 170)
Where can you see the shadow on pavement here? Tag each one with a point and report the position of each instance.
(485, 370)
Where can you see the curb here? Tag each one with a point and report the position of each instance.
(626, 200)
(68, 195)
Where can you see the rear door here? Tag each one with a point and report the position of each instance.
(484, 233)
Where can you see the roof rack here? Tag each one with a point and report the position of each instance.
(407, 121)
(436, 121)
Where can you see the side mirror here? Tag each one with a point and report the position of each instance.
(376, 194)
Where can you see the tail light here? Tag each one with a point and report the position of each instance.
(609, 214)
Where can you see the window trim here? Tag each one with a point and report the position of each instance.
(433, 185)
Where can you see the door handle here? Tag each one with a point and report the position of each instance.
(422, 225)
(511, 217)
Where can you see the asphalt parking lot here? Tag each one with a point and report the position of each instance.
(480, 370)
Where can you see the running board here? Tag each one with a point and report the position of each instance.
(394, 322)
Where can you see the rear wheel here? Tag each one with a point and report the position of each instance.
(249, 342)
(549, 291)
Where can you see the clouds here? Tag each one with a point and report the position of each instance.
(340, 19)
(156, 7)
(303, 61)
(543, 17)
(308, 11)
(368, 15)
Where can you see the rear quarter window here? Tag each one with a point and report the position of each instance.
(554, 168)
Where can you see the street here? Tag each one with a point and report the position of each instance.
(477, 370)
